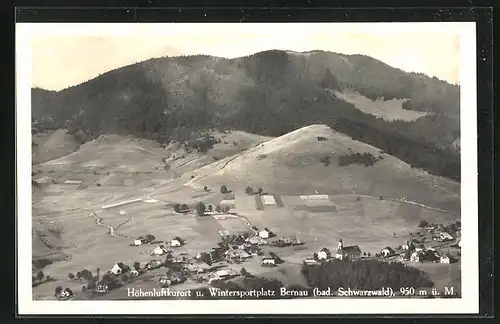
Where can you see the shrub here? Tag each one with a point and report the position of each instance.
(259, 191)
(210, 208)
(137, 265)
(248, 190)
(57, 290)
(365, 159)
(71, 276)
(177, 208)
(223, 189)
(227, 209)
(150, 238)
(423, 223)
(218, 209)
(321, 138)
(184, 208)
(200, 209)
(364, 274)
(244, 272)
(205, 188)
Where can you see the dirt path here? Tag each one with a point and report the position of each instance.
(112, 231)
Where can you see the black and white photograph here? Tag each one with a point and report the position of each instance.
(247, 168)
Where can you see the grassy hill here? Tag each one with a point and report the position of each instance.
(52, 145)
(269, 93)
(299, 163)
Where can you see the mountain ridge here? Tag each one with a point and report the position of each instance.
(268, 93)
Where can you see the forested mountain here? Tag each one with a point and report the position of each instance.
(268, 93)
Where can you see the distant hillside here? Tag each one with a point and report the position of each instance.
(270, 93)
(300, 163)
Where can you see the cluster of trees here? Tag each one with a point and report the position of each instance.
(139, 100)
(365, 159)
(364, 274)
(249, 191)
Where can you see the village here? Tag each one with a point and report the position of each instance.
(170, 267)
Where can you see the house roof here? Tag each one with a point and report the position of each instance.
(388, 248)
(324, 250)
(352, 249)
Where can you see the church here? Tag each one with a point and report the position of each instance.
(351, 253)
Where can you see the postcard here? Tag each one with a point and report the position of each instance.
(247, 168)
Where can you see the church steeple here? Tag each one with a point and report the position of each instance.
(340, 245)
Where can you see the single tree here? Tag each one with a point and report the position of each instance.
(71, 276)
(315, 256)
(244, 272)
(57, 291)
(369, 254)
(223, 189)
(210, 208)
(137, 265)
(259, 191)
(39, 275)
(218, 209)
(177, 208)
(227, 209)
(200, 209)
(248, 190)
(79, 275)
(184, 208)
(364, 253)
(423, 223)
(205, 188)
(150, 238)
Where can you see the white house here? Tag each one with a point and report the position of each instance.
(118, 268)
(387, 252)
(264, 234)
(267, 261)
(447, 258)
(176, 242)
(158, 250)
(416, 256)
(137, 242)
(324, 254)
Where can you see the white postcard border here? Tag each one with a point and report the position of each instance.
(469, 303)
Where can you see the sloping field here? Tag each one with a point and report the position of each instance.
(387, 109)
(113, 153)
(292, 166)
(52, 145)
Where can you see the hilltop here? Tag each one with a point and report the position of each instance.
(269, 93)
(316, 159)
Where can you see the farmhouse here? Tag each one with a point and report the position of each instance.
(119, 268)
(176, 242)
(66, 293)
(256, 240)
(387, 252)
(266, 233)
(352, 252)
(159, 250)
(153, 264)
(417, 256)
(237, 254)
(311, 262)
(408, 246)
(138, 242)
(324, 254)
(267, 261)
